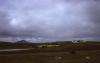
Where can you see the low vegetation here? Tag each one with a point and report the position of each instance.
(55, 52)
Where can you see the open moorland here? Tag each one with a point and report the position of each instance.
(55, 52)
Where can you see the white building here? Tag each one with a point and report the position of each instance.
(78, 41)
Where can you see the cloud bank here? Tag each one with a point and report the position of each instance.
(49, 20)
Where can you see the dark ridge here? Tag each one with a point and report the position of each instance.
(22, 42)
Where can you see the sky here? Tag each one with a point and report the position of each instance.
(49, 20)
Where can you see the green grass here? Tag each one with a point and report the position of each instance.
(52, 57)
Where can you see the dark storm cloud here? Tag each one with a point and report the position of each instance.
(48, 20)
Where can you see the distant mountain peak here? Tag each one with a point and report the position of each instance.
(22, 41)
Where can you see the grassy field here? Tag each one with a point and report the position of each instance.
(66, 53)
(92, 56)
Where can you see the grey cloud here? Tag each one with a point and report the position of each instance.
(49, 20)
(94, 14)
(4, 23)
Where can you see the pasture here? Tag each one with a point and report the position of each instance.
(92, 56)
(66, 53)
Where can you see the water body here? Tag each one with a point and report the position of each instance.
(5, 50)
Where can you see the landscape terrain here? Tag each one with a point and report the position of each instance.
(50, 52)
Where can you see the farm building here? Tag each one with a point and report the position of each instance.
(78, 41)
